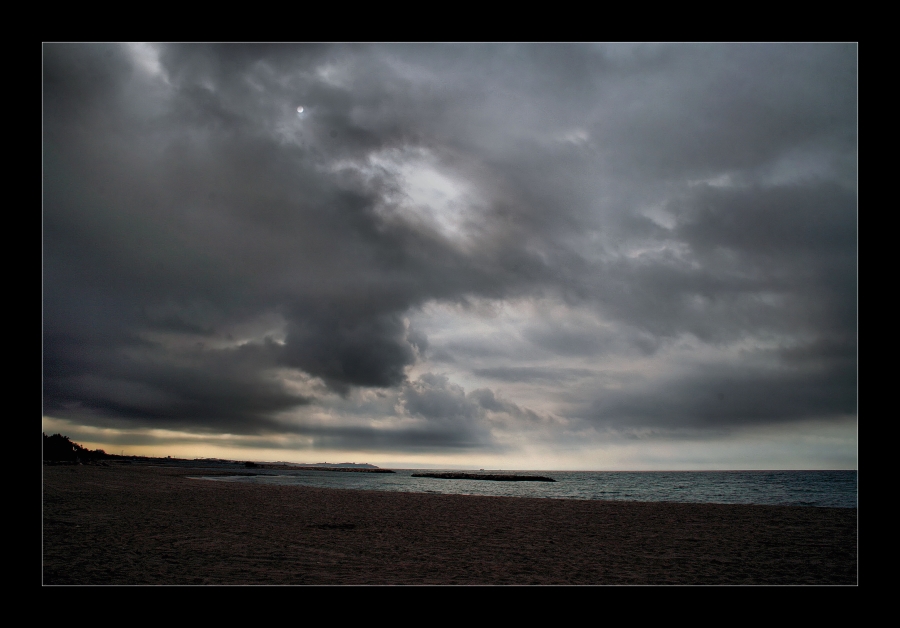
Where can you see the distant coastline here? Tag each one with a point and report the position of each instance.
(496, 477)
(358, 469)
(61, 450)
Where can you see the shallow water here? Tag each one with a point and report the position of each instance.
(795, 488)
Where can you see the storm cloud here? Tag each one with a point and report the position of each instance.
(453, 247)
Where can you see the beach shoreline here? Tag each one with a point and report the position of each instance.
(146, 524)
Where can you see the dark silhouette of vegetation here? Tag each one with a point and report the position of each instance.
(59, 448)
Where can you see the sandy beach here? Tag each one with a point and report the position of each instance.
(154, 525)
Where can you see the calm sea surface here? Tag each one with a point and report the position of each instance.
(795, 488)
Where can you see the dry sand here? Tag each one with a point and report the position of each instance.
(153, 525)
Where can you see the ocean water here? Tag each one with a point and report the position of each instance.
(794, 488)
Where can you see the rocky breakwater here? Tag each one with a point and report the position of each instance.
(497, 477)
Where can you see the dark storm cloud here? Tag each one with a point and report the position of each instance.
(416, 439)
(195, 388)
(434, 398)
(721, 397)
(533, 374)
(368, 352)
(184, 198)
(737, 107)
(779, 259)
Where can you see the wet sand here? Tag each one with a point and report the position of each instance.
(154, 525)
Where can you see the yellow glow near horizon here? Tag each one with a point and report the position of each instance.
(829, 446)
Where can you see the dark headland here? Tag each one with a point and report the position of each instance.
(497, 477)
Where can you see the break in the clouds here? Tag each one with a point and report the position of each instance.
(457, 249)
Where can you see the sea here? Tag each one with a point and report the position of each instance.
(835, 489)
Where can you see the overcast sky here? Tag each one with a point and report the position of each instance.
(544, 256)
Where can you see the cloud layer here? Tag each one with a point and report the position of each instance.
(474, 247)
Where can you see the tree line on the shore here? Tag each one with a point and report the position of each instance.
(59, 448)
